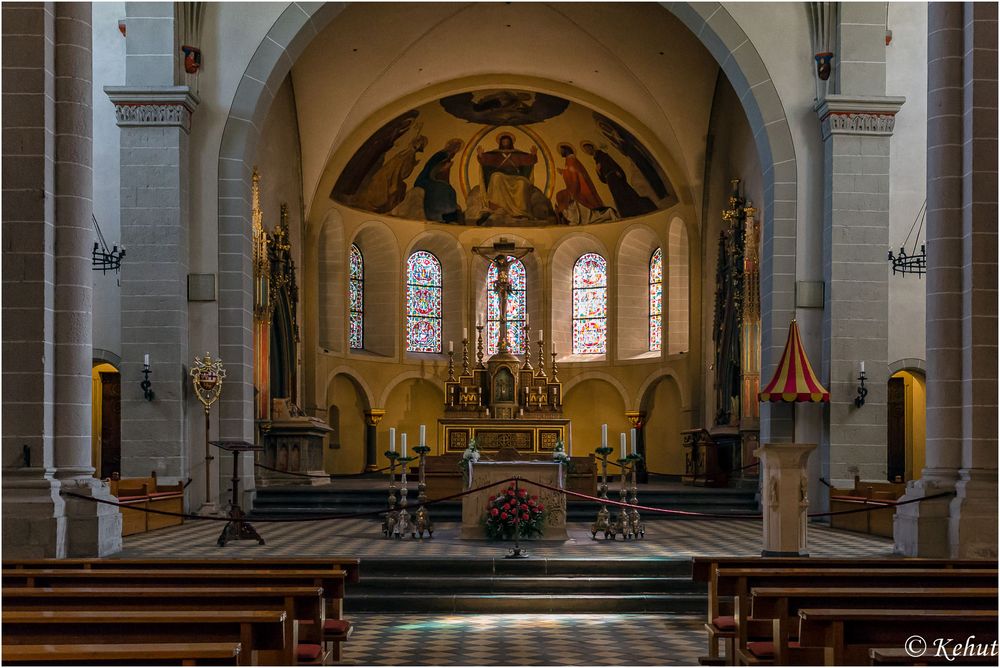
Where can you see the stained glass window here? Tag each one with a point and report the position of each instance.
(590, 305)
(357, 298)
(423, 303)
(517, 309)
(656, 300)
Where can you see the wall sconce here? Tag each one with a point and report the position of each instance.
(145, 384)
(859, 400)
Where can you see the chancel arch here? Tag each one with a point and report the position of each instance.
(564, 260)
(635, 251)
(382, 314)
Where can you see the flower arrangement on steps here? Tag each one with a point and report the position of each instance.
(514, 514)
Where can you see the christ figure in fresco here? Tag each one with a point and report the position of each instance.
(507, 177)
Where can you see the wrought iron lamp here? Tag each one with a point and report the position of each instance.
(859, 400)
(912, 262)
(146, 385)
(102, 259)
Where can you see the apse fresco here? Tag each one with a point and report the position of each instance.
(504, 157)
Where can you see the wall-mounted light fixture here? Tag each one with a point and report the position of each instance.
(859, 400)
(146, 386)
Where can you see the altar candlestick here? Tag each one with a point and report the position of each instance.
(392, 439)
(622, 440)
(403, 441)
(633, 440)
(451, 346)
(145, 361)
(423, 436)
(465, 333)
(540, 335)
(862, 366)
(604, 435)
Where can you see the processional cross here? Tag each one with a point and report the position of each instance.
(501, 255)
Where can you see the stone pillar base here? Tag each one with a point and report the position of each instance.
(92, 529)
(972, 525)
(921, 529)
(785, 498)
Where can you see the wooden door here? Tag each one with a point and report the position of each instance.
(111, 423)
(896, 425)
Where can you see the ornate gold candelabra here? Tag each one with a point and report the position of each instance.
(541, 360)
(451, 365)
(603, 521)
(391, 517)
(636, 527)
(206, 377)
(555, 369)
(403, 522)
(479, 346)
(622, 520)
(423, 522)
(465, 357)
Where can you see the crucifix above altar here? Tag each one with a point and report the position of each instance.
(505, 392)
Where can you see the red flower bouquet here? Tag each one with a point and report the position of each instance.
(514, 514)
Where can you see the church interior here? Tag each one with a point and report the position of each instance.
(524, 333)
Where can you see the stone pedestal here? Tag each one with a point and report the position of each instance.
(484, 473)
(785, 498)
(294, 446)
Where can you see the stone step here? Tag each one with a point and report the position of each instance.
(551, 585)
(525, 603)
(438, 567)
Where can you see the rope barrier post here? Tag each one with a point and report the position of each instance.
(516, 552)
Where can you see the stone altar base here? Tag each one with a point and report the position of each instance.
(484, 473)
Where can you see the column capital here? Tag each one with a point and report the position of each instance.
(373, 416)
(857, 115)
(153, 105)
(635, 418)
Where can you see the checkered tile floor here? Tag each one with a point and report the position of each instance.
(525, 640)
(363, 537)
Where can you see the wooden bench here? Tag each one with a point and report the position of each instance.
(781, 605)
(897, 656)
(140, 494)
(256, 630)
(847, 635)
(737, 582)
(882, 495)
(169, 654)
(721, 623)
(303, 605)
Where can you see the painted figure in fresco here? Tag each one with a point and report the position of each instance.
(632, 148)
(507, 175)
(579, 187)
(440, 199)
(627, 200)
(368, 158)
(386, 187)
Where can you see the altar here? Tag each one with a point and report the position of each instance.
(484, 473)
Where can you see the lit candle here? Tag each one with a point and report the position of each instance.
(604, 435)
(465, 333)
(451, 347)
(145, 361)
(423, 435)
(403, 441)
(622, 442)
(392, 439)
(633, 441)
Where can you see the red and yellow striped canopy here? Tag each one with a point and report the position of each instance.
(794, 380)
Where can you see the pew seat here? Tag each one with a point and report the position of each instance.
(146, 654)
(139, 494)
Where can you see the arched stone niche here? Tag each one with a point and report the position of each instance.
(677, 289)
(635, 249)
(382, 310)
(332, 287)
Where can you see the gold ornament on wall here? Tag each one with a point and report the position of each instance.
(207, 375)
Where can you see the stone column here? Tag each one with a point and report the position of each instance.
(48, 236)
(973, 513)
(372, 418)
(155, 119)
(856, 126)
(928, 528)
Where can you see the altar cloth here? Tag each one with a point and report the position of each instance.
(484, 473)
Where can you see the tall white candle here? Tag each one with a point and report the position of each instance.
(633, 441)
(862, 365)
(604, 435)
(145, 361)
(451, 346)
(403, 441)
(465, 333)
(423, 435)
(392, 439)
(622, 442)
(541, 335)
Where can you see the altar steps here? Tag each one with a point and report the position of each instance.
(550, 586)
(331, 500)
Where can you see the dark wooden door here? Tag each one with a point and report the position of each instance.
(896, 424)
(111, 424)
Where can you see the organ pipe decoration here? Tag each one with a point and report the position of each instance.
(261, 305)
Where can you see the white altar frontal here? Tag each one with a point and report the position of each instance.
(484, 473)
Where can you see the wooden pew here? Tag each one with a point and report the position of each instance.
(168, 654)
(721, 623)
(897, 656)
(304, 605)
(846, 635)
(781, 605)
(256, 630)
(737, 582)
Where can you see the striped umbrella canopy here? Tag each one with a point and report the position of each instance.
(794, 379)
